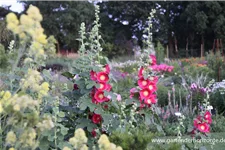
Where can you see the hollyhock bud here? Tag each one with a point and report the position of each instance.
(93, 133)
(75, 87)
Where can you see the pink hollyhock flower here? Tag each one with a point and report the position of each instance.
(93, 75)
(203, 127)
(145, 93)
(108, 87)
(143, 83)
(152, 87)
(154, 79)
(100, 97)
(102, 77)
(118, 97)
(132, 91)
(109, 97)
(153, 58)
(151, 100)
(93, 133)
(207, 117)
(106, 69)
(170, 69)
(140, 72)
(96, 118)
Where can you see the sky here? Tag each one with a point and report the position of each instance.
(15, 6)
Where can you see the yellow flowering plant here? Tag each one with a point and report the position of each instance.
(23, 120)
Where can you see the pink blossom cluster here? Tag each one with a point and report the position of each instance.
(162, 68)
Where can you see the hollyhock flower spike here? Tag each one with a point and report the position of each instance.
(142, 83)
(96, 118)
(102, 77)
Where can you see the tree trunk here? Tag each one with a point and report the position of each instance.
(175, 45)
(187, 48)
(171, 48)
(202, 47)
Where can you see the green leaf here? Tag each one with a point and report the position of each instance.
(61, 114)
(67, 74)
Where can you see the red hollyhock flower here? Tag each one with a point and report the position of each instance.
(140, 72)
(203, 127)
(151, 100)
(197, 121)
(145, 93)
(96, 118)
(93, 75)
(152, 87)
(106, 69)
(102, 86)
(100, 97)
(153, 58)
(93, 133)
(93, 100)
(143, 83)
(102, 77)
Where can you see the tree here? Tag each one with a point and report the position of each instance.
(63, 19)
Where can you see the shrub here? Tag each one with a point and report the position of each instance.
(134, 139)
